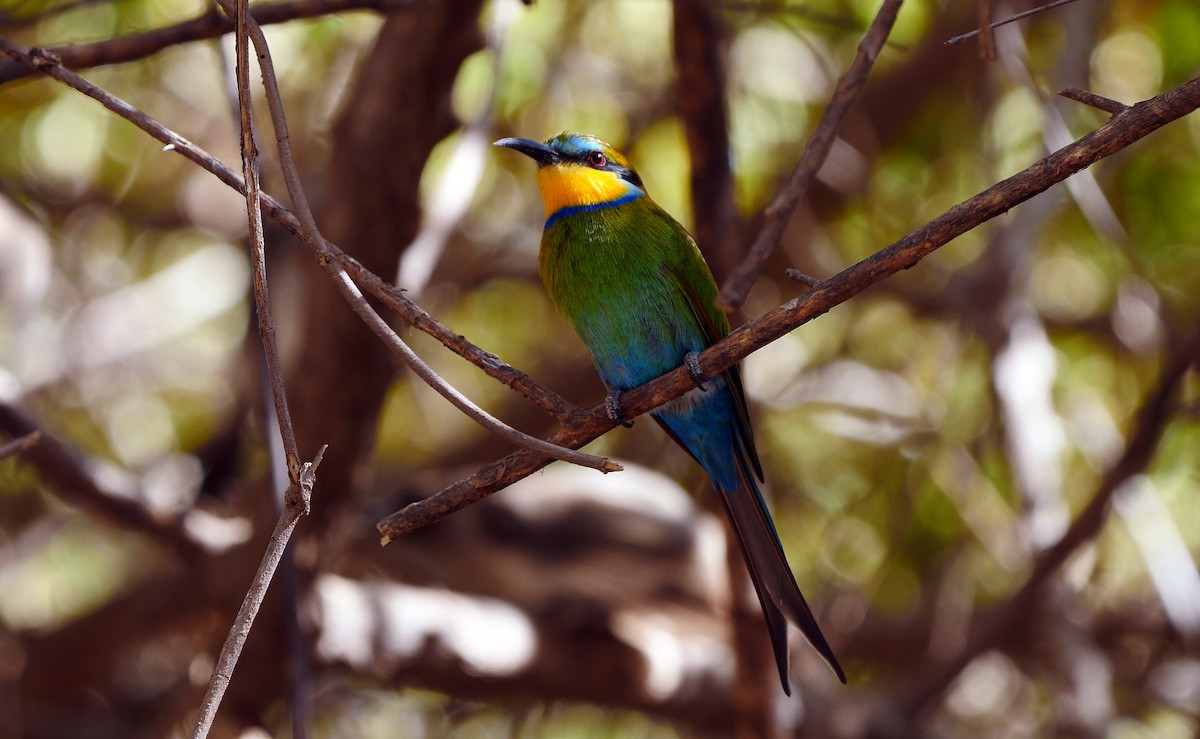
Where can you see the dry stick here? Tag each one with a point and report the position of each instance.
(779, 212)
(1009, 19)
(410, 312)
(1118, 133)
(351, 293)
(67, 474)
(297, 496)
(294, 507)
(561, 409)
(258, 256)
(20, 444)
(1124, 129)
(210, 25)
(1108, 105)
(337, 262)
(246, 26)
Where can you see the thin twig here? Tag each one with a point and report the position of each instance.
(1108, 105)
(207, 26)
(345, 284)
(798, 276)
(780, 211)
(1124, 129)
(995, 24)
(258, 256)
(554, 404)
(1136, 123)
(20, 444)
(353, 295)
(335, 262)
(296, 504)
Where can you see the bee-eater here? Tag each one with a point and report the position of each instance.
(637, 290)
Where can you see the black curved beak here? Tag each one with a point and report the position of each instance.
(535, 150)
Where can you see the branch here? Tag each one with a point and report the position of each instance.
(296, 504)
(339, 265)
(1124, 129)
(258, 256)
(995, 24)
(1100, 102)
(20, 444)
(311, 235)
(780, 211)
(210, 25)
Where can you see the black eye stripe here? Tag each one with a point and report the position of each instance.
(624, 173)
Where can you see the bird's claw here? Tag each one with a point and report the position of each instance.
(691, 360)
(612, 406)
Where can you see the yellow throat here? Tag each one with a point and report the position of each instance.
(567, 185)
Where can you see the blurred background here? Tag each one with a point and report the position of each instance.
(983, 470)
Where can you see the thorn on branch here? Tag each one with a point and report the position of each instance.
(299, 493)
(1100, 102)
(798, 276)
(995, 24)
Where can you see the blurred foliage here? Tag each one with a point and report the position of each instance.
(124, 302)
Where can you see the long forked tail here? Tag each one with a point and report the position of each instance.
(773, 580)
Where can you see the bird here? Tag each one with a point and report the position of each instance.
(637, 290)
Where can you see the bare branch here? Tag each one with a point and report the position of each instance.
(339, 265)
(210, 25)
(995, 24)
(779, 212)
(351, 293)
(798, 276)
(1124, 129)
(296, 504)
(258, 256)
(1108, 105)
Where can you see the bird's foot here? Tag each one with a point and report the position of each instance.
(612, 406)
(691, 360)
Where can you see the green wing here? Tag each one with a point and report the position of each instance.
(692, 277)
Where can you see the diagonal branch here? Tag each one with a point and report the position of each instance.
(1122, 130)
(583, 426)
(996, 24)
(20, 444)
(207, 26)
(341, 267)
(779, 212)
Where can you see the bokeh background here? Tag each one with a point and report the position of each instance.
(941, 451)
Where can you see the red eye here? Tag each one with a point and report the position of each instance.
(596, 159)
